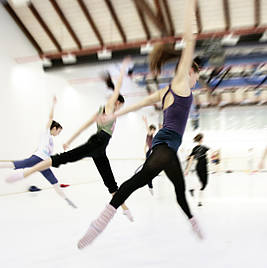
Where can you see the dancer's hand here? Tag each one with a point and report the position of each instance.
(65, 146)
(186, 172)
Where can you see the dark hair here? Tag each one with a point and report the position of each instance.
(130, 71)
(56, 125)
(151, 127)
(121, 99)
(198, 63)
(198, 137)
(166, 52)
(107, 79)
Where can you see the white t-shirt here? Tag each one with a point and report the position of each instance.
(46, 145)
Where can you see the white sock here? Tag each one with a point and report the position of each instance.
(15, 177)
(128, 214)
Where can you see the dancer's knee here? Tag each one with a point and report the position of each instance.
(112, 188)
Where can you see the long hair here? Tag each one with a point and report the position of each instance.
(106, 77)
(163, 53)
(160, 55)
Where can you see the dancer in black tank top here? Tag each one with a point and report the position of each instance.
(199, 153)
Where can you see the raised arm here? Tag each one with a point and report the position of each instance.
(146, 124)
(51, 114)
(180, 82)
(149, 100)
(80, 130)
(112, 100)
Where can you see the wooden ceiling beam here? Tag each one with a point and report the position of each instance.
(161, 18)
(227, 17)
(154, 19)
(116, 20)
(12, 13)
(66, 23)
(91, 21)
(167, 9)
(257, 5)
(44, 26)
(168, 39)
(142, 18)
(198, 18)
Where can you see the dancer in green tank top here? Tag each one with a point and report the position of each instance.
(95, 147)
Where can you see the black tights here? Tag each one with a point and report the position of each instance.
(161, 158)
(95, 147)
(202, 173)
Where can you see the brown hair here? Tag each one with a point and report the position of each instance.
(198, 137)
(166, 52)
(160, 55)
(151, 127)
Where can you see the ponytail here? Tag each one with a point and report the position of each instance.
(160, 55)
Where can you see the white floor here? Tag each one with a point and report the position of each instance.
(40, 230)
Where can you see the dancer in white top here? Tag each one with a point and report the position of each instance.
(43, 152)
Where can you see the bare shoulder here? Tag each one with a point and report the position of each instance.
(181, 88)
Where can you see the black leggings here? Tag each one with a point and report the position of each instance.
(161, 158)
(95, 147)
(150, 184)
(202, 173)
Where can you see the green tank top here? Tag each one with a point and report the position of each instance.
(107, 127)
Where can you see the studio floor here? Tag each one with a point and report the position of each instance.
(40, 230)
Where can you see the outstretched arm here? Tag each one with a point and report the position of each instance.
(149, 100)
(80, 130)
(109, 107)
(189, 164)
(180, 82)
(146, 124)
(51, 114)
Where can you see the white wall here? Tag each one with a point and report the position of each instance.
(25, 98)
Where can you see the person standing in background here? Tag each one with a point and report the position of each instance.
(148, 146)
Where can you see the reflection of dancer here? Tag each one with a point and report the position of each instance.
(199, 153)
(43, 152)
(95, 147)
(176, 101)
(148, 146)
